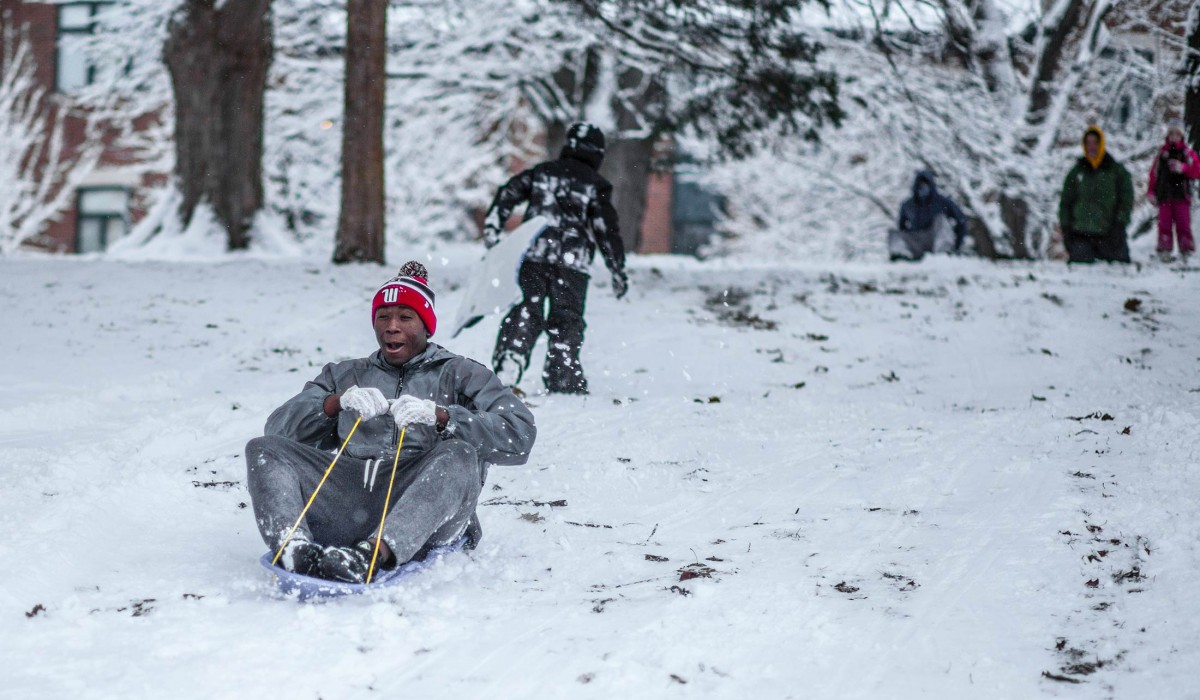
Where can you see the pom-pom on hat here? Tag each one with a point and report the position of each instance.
(408, 288)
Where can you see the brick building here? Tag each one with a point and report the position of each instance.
(109, 197)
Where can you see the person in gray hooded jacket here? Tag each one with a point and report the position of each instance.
(456, 416)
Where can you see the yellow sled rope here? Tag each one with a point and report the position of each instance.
(387, 500)
(318, 489)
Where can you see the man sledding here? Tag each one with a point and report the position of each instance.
(451, 414)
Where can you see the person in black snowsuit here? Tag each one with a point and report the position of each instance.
(922, 218)
(577, 202)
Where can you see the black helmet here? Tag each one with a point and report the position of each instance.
(585, 142)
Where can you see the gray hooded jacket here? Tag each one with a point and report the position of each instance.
(483, 412)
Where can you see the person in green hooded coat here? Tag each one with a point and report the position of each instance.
(1096, 201)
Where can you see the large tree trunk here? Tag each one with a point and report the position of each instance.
(360, 232)
(1073, 29)
(978, 26)
(632, 98)
(1014, 212)
(1191, 77)
(630, 159)
(1050, 62)
(977, 30)
(627, 165)
(218, 61)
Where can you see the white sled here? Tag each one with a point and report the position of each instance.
(493, 290)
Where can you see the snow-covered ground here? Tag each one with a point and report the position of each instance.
(952, 479)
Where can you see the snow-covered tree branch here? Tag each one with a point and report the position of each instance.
(954, 99)
(734, 69)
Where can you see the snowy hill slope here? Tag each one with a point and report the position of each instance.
(952, 479)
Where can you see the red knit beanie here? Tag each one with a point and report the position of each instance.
(408, 288)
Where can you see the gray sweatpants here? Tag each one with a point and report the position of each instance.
(433, 499)
(916, 244)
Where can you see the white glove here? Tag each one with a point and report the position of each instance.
(368, 402)
(409, 410)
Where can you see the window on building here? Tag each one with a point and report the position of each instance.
(76, 21)
(695, 209)
(102, 217)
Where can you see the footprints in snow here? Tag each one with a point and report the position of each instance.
(1112, 566)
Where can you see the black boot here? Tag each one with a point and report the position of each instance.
(350, 564)
(302, 557)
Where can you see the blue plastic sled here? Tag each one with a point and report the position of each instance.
(308, 587)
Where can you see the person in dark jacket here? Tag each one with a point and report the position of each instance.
(1170, 189)
(1096, 201)
(577, 201)
(923, 222)
(456, 417)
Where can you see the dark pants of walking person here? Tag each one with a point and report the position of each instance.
(1088, 248)
(432, 503)
(566, 291)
